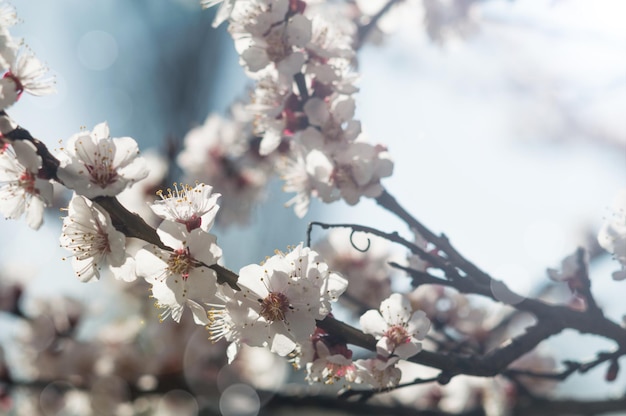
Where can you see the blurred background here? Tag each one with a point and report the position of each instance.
(506, 121)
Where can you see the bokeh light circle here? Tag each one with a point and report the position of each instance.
(97, 50)
(177, 403)
(240, 400)
(53, 399)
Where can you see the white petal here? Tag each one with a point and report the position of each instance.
(384, 347)
(396, 309)
(419, 324)
(317, 111)
(407, 349)
(34, 212)
(199, 313)
(373, 323)
(291, 65)
(172, 234)
(232, 351)
(298, 31)
(270, 142)
(282, 344)
(255, 58)
(148, 264)
(250, 277)
(126, 271)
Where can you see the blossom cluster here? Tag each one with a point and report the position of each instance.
(23, 71)
(219, 152)
(301, 111)
(300, 124)
(22, 190)
(276, 304)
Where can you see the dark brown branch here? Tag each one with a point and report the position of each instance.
(583, 322)
(571, 367)
(395, 238)
(441, 242)
(584, 287)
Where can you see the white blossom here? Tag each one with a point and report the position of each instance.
(216, 153)
(308, 174)
(194, 207)
(329, 368)
(397, 327)
(94, 164)
(181, 277)
(8, 17)
(280, 300)
(95, 244)
(21, 190)
(367, 272)
(264, 33)
(378, 373)
(26, 73)
(361, 166)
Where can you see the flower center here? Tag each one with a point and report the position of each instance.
(100, 243)
(398, 335)
(27, 182)
(180, 262)
(102, 171)
(19, 87)
(274, 307)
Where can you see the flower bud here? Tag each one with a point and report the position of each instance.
(612, 371)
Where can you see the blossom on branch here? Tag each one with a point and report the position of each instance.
(367, 272)
(89, 234)
(194, 207)
(181, 277)
(328, 359)
(26, 73)
(94, 164)
(360, 168)
(268, 32)
(280, 300)
(378, 372)
(218, 152)
(21, 190)
(331, 366)
(397, 327)
(302, 104)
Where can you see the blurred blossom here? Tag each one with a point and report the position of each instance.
(612, 235)
(367, 272)
(137, 197)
